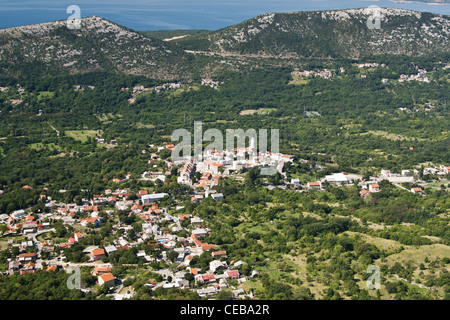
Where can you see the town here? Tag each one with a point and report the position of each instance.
(164, 236)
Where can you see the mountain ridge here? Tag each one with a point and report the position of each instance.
(345, 34)
(100, 44)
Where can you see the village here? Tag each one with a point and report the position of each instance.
(172, 237)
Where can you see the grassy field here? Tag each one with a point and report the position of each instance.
(418, 255)
(261, 111)
(380, 243)
(82, 135)
(40, 146)
(4, 241)
(298, 80)
(108, 117)
(45, 94)
(140, 125)
(390, 136)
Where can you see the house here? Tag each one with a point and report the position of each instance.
(90, 208)
(314, 185)
(194, 271)
(98, 271)
(364, 193)
(196, 220)
(51, 269)
(13, 266)
(97, 254)
(4, 218)
(199, 232)
(78, 236)
(374, 187)
(18, 214)
(107, 279)
(207, 278)
(216, 265)
(295, 182)
(233, 274)
(238, 292)
(29, 266)
(417, 190)
(150, 198)
(96, 221)
(406, 173)
(219, 254)
(27, 257)
(336, 178)
(445, 169)
(110, 249)
(206, 291)
(207, 247)
(217, 196)
(183, 217)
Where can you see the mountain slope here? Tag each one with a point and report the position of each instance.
(99, 44)
(337, 33)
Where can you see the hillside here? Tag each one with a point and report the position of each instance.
(338, 33)
(99, 44)
(52, 48)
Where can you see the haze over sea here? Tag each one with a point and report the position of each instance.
(180, 14)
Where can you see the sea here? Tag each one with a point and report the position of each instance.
(180, 14)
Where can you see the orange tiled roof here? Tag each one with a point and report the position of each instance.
(107, 277)
(98, 252)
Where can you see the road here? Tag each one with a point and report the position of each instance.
(38, 245)
(57, 132)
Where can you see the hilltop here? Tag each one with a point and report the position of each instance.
(52, 48)
(332, 33)
(98, 44)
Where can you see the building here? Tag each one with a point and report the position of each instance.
(110, 249)
(199, 232)
(219, 254)
(98, 271)
(232, 274)
(417, 190)
(78, 236)
(107, 279)
(314, 185)
(336, 178)
(27, 257)
(151, 198)
(216, 265)
(374, 188)
(97, 254)
(217, 196)
(96, 221)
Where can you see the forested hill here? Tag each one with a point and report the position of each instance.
(98, 44)
(337, 33)
(52, 48)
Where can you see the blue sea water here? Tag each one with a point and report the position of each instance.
(179, 14)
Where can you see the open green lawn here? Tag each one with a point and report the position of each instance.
(40, 146)
(4, 241)
(419, 254)
(82, 135)
(298, 80)
(45, 94)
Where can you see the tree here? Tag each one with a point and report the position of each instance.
(224, 295)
